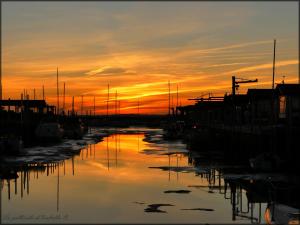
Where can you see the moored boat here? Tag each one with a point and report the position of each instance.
(49, 132)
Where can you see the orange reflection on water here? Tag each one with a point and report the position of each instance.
(111, 182)
(120, 158)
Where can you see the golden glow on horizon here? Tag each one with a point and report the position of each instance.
(139, 55)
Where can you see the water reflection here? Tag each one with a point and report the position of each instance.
(127, 179)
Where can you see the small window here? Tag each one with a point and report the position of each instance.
(282, 106)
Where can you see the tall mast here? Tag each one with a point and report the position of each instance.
(177, 97)
(81, 108)
(43, 92)
(274, 53)
(34, 94)
(73, 106)
(138, 106)
(57, 91)
(94, 105)
(169, 98)
(116, 102)
(64, 99)
(0, 83)
(172, 102)
(107, 100)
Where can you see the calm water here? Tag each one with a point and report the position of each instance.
(111, 182)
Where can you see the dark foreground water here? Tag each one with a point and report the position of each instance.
(113, 182)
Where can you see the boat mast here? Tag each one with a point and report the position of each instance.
(81, 108)
(177, 100)
(107, 100)
(64, 99)
(138, 104)
(94, 105)
(43, 93)
(116, 103)
(177, 97)
(274, 53)
(57, 92)
(169, 98)
(73, 113)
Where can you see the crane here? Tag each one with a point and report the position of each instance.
(236, 81)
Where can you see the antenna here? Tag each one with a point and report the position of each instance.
(57, 91)
(274, 53)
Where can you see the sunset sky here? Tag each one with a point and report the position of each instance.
(137, 47)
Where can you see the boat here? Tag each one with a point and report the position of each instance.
(174, 130)
(49, 132)
(73, 128)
